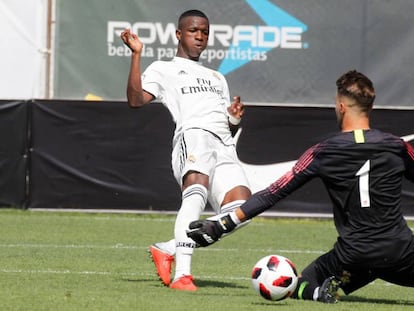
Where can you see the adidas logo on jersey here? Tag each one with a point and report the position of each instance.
(182, 72)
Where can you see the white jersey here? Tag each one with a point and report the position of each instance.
(197, 97)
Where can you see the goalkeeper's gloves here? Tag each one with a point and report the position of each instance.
(206, 232)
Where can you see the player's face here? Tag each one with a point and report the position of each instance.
(192, 37)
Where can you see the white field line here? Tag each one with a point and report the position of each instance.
(72, 246)
(140, 274)
(132, 247)
(107, 273)
(137, 274)
(267, 214)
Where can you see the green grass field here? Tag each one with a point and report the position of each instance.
(74, 261)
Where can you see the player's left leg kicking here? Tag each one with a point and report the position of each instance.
(229, 189)
(163, 253)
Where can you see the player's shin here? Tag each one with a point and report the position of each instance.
(193, 203)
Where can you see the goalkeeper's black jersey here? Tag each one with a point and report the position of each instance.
(363, 172)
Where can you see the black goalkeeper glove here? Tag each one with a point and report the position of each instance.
(207, 232)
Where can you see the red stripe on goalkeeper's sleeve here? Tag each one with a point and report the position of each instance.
(305, 159)
(281, 182)
(410, 150)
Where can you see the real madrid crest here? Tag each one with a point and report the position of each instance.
(191, 158)
(216, 75)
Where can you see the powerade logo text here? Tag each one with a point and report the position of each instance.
(234, 46)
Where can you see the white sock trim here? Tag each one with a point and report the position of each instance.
(229, 207)
(194, 190)
(316, 294)
(234, 217)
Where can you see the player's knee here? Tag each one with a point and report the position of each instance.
(236, 194)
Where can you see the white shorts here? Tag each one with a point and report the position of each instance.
(201, 151)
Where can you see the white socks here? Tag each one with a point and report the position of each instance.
(194, 200)
(169, 246)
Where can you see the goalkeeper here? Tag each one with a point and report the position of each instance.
(363, 171)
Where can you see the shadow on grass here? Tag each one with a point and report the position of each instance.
(273, 304)
(198, 282)
(140, 280)
(375, 300)
(217, 284)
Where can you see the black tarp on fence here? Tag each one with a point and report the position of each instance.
(104, 155)
(101, 155)
(13, 152)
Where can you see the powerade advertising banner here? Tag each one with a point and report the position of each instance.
(271, 51)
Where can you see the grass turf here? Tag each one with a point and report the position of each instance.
(75, 261)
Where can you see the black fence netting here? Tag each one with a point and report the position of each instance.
(104, 155)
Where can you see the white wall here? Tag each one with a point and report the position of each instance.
(23, 29)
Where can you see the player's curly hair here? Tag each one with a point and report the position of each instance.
(191, 13)
(358, 87)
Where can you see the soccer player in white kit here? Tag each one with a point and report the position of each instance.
(204, 159)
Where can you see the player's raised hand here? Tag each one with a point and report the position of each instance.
(236, 108)
(132, 41)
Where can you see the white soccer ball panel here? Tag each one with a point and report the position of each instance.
(274, 277)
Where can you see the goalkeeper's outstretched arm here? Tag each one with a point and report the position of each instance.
(207, 232)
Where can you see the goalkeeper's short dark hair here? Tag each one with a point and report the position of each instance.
(358, 87)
